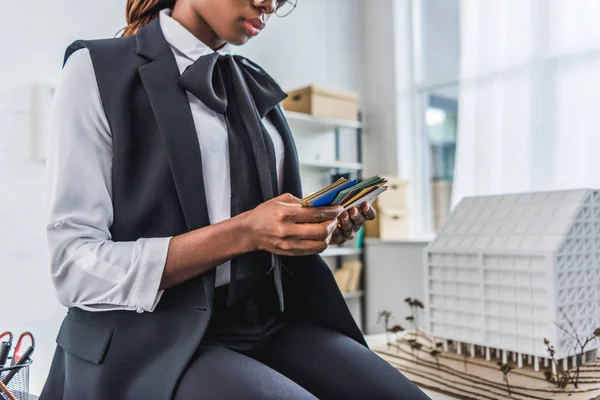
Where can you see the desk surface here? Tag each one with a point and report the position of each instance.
(380, 340)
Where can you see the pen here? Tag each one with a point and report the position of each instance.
(4, 350)
(21, 361)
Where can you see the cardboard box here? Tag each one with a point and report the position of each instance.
(392, 214)
(372, 227)
(395, 196)
(390, 223)
(393, 224)
(321, 102)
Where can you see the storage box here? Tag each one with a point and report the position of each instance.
(395, 196)
(393, 224)
(321, 102)
(372, 227)
(441, 191)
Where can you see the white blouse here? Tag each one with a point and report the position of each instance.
(89, 270)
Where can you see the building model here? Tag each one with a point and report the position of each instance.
(508, 271)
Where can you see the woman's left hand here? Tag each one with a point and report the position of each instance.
(349, 222)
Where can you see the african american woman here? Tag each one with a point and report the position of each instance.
(176, 235)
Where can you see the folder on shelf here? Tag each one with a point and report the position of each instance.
(355, 267)
(343, 276)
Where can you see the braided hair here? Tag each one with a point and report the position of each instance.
(140, 12)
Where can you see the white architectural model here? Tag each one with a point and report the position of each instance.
(506, 270)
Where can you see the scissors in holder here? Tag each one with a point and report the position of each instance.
(19, 357)
(24, 347)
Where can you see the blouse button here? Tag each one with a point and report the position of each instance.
(139, 310)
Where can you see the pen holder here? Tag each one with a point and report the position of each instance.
(19, 383)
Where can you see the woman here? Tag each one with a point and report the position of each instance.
(176, 236)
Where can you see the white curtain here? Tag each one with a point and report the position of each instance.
(529, 100)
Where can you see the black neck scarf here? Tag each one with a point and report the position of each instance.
(241, 91)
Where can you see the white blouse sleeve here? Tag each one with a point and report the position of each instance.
(89, 270)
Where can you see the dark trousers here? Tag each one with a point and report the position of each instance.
(279, 358)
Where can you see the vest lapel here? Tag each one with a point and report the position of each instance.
(174, 118)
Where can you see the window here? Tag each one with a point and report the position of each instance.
(435, 92)
(441, 116)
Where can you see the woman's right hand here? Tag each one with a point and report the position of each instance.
(283, 226)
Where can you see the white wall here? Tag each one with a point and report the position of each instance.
(439, 25)
(379, 83)
(34, 35)
(321, 42)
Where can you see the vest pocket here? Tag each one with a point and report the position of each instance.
(83, 339)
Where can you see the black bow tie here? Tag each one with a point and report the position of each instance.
(241, 91)
(205, 79)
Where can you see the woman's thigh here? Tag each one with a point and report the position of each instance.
(332, 366)
(219, 373)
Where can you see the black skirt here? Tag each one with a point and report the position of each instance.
(249, 323)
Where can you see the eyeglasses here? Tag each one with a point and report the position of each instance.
(283, 8)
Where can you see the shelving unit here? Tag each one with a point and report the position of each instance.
(341, 165)
(307, 124)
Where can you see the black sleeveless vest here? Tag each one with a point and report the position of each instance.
(158, 191)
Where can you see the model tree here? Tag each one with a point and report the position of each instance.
(415, 346)
(416, 307)
(561, 380)
(505, 369)
(384, 318)
(563, 377)
(435, 353)
(580, 345)
(466, 352)
(396, 329)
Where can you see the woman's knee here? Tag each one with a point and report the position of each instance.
(219, 373)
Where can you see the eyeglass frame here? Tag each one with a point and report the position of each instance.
(281, 3)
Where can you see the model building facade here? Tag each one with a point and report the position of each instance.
(506, 270)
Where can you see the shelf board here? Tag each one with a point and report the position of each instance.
(306, 122)
(332, 165)
(335, 251)
(353, 295)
